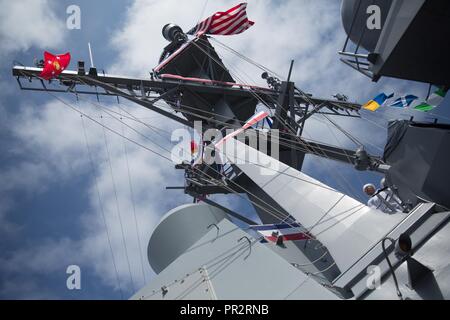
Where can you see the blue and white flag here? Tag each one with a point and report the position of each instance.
(403, 101)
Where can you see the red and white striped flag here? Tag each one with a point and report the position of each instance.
(250, 122)
(232, 21)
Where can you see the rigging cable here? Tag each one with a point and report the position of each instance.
(281, 120)
(168, 159)
(124, 137)
(264, 208)
(117, 205)
(101, 206)
(138, 233)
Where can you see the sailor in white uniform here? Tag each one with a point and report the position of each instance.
(383, 199)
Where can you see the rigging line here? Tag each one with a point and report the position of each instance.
(217, 237)
(373, 122)
(348, 135)
(101, 207)
(273, 213)
(138, 120)
(320, 149)
(276, 213)
(338, 176)
(358, 207)
(110, 129)
(161, 146)
(348, 158)
(195, 270)
(221, 65)
(224, 68)
(339, 142)
(312, 262)
(339, 221)
(244, 57)
(237, 127)
(135, 130)
(306, 148)
(221, 262)
(281, 120)
(281, 172)
(265, 209)
(154, 152)
(219, 269)
(172, 110)
(107, 111)
(326, 213)
(299, 143)
(118, 207)
(348, 183)
(138, 233)
(126, 117)
(84, 83)
(271, 72)
(151, 127)
(283, 218)
(255, 95)
(298, 287)
(237, 70)
(323, 270)
(221, 266)
(134, 118)
(202, 12)
(248, 192)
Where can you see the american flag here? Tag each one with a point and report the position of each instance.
(232, 21)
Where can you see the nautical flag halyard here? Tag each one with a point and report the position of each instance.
(232, 21)
(288, 232)
(376, 102)
(403, 101)
(433, 101)
(54, 65)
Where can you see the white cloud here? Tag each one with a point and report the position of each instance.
(28, 23)
(53, 138)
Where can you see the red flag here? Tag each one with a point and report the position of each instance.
(232, 21)
(194, 147)
(54, 65)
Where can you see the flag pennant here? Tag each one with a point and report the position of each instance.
(433, 101)
(54, 65)
(194, 147)
(403, 101)
(232, 21)
(376, 102)
(250, 122)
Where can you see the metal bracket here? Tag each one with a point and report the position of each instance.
(218, 229)
(249, 245)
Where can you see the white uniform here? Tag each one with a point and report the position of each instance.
(385, 201)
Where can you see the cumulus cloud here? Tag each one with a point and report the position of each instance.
(28, 23)
(53, 137)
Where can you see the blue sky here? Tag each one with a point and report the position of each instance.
(50, 215)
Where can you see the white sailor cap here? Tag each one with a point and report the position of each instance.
(367, 185)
